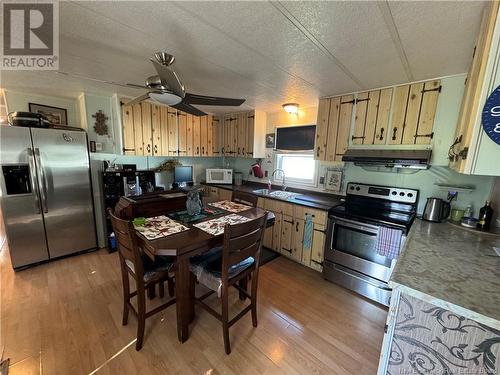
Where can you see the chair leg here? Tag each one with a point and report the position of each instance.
(225, 319)
(243, 285)
(126, 297)
(161, 288)
(152, 291)
(254, 300)
(141, 317)
(171, 287)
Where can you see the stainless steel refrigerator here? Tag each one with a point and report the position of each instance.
(46, 193)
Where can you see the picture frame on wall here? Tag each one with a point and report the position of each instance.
(55, 115)
(270, 138)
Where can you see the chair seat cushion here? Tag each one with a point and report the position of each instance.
(208, 268)
(153, 269)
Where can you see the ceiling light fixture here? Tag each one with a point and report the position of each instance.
(292, 108)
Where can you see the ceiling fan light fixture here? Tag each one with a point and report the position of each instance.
(292, 108)
(165, 98)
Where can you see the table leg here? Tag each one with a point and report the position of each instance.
(184, 305)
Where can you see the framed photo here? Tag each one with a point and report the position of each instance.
(55, 115)
(270, 140)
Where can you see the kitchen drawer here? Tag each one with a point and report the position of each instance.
(318, 216)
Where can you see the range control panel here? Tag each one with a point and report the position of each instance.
(392, 194)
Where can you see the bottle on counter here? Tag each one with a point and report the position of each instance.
(485, 216)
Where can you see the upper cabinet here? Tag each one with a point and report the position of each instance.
(243, 134)
(472, 151)
(400, 115)
(156, 130)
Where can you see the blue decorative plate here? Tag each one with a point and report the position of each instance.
(491, 116)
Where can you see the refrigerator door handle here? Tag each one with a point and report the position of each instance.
(34, 185)
(42, 184)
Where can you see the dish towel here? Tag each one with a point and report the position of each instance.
(308, 233)
(389, 242)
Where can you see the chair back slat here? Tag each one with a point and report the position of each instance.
(244, 198)
(127, 243)
(242, 241)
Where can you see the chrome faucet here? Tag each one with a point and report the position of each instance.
(283, 186)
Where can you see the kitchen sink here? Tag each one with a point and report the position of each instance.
(280, 194)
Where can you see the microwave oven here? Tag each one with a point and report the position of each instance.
(219, 176)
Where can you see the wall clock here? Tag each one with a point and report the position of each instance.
(491, 116)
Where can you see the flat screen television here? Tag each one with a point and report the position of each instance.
(183, 174)
(296, 138)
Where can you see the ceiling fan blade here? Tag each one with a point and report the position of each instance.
(189, 109)
(138, 99)
(169, 77)
(211, 100)
(79, 76)
(136, 86)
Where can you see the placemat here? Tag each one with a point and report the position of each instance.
(216, 226)
(159, 226)
(184, 217)
(230, 206)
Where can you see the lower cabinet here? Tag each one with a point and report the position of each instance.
(422, 338)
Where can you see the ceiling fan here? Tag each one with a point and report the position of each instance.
(166, 88)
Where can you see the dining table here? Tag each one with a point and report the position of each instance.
(184, 245)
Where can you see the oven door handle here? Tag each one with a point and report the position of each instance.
(356, 225)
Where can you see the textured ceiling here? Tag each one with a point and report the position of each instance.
(266, 52)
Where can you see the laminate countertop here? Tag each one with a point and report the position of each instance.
(321, 201)
(453, 268)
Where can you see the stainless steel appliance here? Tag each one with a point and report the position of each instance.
(219, 176)
(351, 259)
(436, 210)
(410, 159)
(46, 193)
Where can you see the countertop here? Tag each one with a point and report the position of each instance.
(452, 268)
(321, 201)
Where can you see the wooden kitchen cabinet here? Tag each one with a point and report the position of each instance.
(297, 239)
(182, 129)
(173, 134)
(322, 124)
(216, 136)
(139, 144)
(318, 247)
(128, 130)
(156, 130)
(147, 132)
(243, 134)
(472, 151)
(196, 135)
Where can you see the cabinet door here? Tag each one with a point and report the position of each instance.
(128, 130)
(216, 136)
(412, 114)
(318, 247)
(189, 135)
(344, 128)
(242, 134)
(228, 145)
(182, 120)
(384, 109)
(234, 135)
(139, 145)
(398, 114)
(298, 239)
(333, 128)
(164, 130)
(147, 135)
(156, 130)
(322, 125)
(209, 136)
(225, 194)
(173, 134)
(250, 134)
(286, 235)
(427, 112)
(196, 135)
(371, 117)
(360, 118)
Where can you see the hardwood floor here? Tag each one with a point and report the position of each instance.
(65, 317)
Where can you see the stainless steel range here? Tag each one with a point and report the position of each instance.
(351, 259)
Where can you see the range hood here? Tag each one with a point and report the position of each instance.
(411, 159)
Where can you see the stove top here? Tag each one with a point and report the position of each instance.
(385, 205)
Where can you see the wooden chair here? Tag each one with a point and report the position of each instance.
(244, 198)
(233, 265)
(143, 270)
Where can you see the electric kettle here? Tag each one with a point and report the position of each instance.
(436, 210)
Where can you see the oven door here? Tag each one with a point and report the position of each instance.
(352, 244)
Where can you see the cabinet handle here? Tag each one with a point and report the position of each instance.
(381, 138)
(238, 150)
(243, 151)
(149, 148)
(197, 150)
(394, 134)
(203, 150)
(297, 227)
(288, 250)
(156, 149)
(317, 152)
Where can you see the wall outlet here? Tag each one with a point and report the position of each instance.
(265, 174)
(322, 180)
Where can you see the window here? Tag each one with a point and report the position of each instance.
(299, 168)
